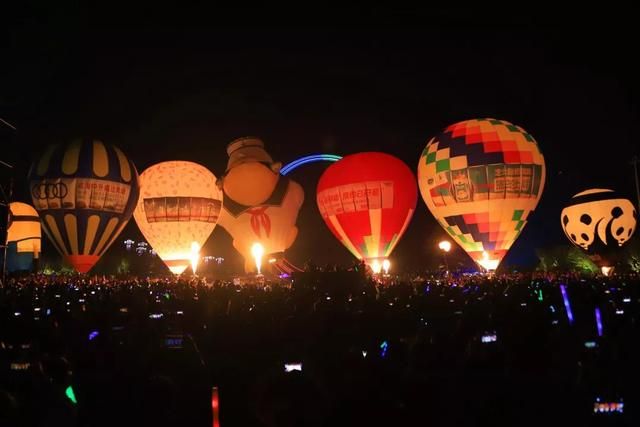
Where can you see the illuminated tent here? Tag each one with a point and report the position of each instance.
(367, 201)
(178, 209)
(85, 192)
(260, 205)
(481, 179)
(599, 221)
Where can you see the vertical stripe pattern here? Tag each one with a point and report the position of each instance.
(100, 159)
(90, 233)
(86, 192)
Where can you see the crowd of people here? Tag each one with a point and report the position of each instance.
(457, 351)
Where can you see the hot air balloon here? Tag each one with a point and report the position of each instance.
(23, 236)
(178, 209)
(367, 200)
(481, 179)
(261, 206)
(599, 221)
(85, 192)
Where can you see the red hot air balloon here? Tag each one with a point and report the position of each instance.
(367, 200)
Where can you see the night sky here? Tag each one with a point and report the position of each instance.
(388, 82)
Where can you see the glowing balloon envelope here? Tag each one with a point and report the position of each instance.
(367, 201)
(178, 209)
(481, 179)
(261, 206)
(599, 221)
(23, 237)
(85, 192)
(24, 228)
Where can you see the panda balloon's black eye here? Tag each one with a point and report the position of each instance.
(565, 220)
(584, 236)
(573, 237)
(619, 231)
(616, 212)
(585, 219)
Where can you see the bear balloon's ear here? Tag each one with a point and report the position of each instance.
(276, 166)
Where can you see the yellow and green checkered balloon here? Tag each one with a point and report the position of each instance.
(480, 179)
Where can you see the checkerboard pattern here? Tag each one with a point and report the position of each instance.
(480, 142)
(481, 178)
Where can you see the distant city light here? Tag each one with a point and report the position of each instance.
(142, 248)
(210, 258)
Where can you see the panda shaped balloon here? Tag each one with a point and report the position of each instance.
(599, 221)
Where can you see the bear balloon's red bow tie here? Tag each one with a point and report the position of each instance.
(259, 219)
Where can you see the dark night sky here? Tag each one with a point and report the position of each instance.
(163, 91)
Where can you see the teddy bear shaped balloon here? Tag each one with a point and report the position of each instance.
(260, 205)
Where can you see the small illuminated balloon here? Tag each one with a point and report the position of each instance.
(598, 220)
(24, 228)
(178, 209)
(23, 237)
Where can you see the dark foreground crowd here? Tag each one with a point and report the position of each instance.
(469, 351)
